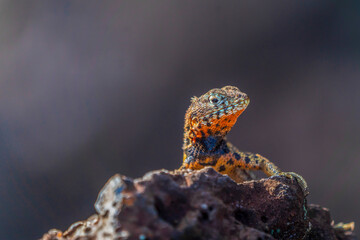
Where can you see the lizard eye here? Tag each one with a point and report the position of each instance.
(213, 99)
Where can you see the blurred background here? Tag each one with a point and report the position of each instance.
(90, 90)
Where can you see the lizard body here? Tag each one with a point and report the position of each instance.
(207, 121)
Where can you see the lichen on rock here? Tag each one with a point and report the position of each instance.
(202, 205)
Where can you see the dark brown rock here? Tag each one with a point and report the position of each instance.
(322, 227)
(202, 205)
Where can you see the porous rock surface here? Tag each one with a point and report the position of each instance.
(202, 205)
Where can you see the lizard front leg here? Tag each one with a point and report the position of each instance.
(229, 163)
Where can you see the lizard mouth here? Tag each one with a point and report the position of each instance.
(242, 103)
(239, 105)
(234, 110)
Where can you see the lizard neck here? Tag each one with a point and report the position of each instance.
(202, 139)
(187, 135)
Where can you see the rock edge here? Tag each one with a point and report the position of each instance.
(202, 205)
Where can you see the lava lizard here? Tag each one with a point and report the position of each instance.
(207, 121)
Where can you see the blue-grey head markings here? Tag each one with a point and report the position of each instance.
(219, 102)
(217, 99)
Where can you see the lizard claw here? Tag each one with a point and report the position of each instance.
(345, 226)
(300, 180)
(182, 167)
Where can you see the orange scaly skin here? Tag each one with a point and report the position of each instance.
(207, 121)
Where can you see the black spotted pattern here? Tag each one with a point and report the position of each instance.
(222, 168)
(237, 156)
(230, 161)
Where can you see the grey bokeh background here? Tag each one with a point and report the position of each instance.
(91, 89)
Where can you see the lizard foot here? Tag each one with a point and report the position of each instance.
(301, 181)
(182, 167)
(345, 226)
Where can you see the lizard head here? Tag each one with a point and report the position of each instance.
(215, 112)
